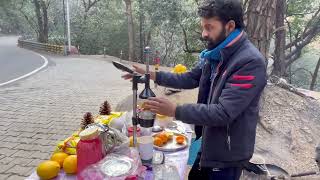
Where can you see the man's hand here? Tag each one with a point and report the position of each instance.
(161, 106)
(139, 70)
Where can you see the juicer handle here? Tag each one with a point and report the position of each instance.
(122, 67)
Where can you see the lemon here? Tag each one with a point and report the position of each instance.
(59, 157)
(179, 68)
(70, 164)
(183, 69)
(48, 169)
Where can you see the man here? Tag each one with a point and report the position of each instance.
(231, 76)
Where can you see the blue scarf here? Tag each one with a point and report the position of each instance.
(214, 56)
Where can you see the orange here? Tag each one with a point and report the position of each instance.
(180, 139)
(70, 164)
(48, 169)
(158, 141)
(164, 137)
(59, 157)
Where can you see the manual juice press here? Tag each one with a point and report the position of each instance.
(143, 117)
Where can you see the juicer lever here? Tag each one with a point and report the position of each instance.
(122, 67)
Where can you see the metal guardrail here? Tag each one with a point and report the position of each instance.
(41, 46)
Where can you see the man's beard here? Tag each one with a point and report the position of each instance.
(211, 44)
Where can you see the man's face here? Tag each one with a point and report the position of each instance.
(213, 31)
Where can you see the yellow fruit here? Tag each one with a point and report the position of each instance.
(183, 69)
(179, 68)
(160, 116)
(169, 135)
(163, 137)
(59, 157)
(131, 141)
(48, 170)
(180, 139)
(70, 164)
(158, 141)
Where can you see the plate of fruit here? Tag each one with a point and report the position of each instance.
(169, 142)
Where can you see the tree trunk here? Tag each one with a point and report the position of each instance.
(45, 21)
(130, 30)
(39, 19)
(260, 18)
(42, 19)
(141, 33)
(315, 76)
(280, 40)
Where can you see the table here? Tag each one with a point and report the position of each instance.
(178, 159)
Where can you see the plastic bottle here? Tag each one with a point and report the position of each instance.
(89, 149)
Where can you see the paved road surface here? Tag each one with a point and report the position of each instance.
(37, 112)
(15, 61)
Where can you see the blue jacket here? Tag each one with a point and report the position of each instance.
(228, 106)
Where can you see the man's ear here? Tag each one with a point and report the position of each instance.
(230, 26)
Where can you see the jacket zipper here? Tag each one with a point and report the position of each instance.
(228, 137)
(210, 96)
(212, 82)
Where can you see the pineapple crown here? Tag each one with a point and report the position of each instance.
(105, 108)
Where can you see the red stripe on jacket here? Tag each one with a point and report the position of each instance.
(245, 86)
(248, 78)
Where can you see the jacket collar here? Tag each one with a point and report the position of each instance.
(231, 49)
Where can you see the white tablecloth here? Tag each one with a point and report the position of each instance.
(178, 159)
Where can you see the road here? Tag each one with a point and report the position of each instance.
(38, 111)
(16, 62)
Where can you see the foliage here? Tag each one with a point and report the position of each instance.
(169, 26)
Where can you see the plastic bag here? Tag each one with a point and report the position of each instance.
(106, 119)
(165, 172)
(115, 167)
(123, 143)
(69, 145)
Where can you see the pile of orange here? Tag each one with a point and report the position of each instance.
(162, 138)
(50, 169)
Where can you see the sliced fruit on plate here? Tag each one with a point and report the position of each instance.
(169, 135)
(180, 139)
(158, 141)
(163, 137)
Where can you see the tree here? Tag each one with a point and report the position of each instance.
(280, 39)
(130, 30)
(87, 6)
(9, 23)
(315, 76)
(41, 11)
(303, 38)
(302, 31)
(260, 16)
(141, 29)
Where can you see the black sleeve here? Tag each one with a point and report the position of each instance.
(239, 91)
(189, 80)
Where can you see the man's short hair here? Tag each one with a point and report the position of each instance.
(224, 10)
